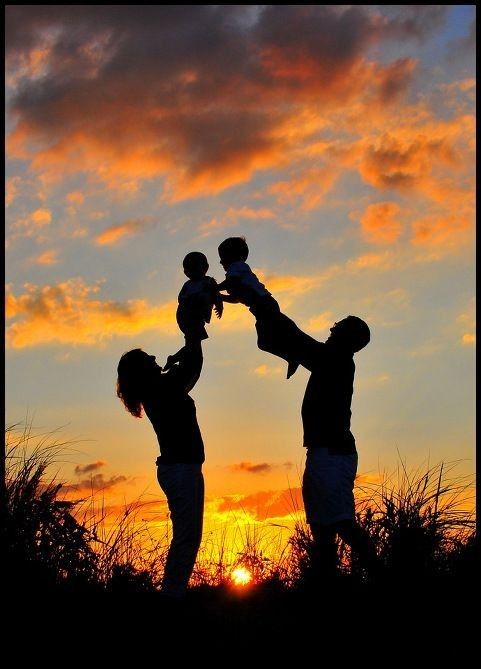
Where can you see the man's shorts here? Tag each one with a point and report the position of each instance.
(328, 486)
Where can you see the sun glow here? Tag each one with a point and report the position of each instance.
(241, 576)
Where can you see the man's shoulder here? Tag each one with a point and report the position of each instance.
(323, 354)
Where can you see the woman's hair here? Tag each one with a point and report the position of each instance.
(131, 380)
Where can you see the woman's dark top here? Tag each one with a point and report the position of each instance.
(172, 413)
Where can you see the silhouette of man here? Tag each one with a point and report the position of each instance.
(331, 461)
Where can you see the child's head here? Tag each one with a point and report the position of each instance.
(351, 333)
(232, 250)
(195, 265)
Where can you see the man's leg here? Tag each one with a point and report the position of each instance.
(361, 543)
(324, 553)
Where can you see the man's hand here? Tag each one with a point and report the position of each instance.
(219, 308)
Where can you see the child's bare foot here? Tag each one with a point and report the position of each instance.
(291, 368)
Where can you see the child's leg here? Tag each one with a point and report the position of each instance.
(277, 335)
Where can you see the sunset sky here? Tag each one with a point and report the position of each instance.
(339, 140)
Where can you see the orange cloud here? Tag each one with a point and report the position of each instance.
(406, 158)
(379, 224)
(34, 222)
(381, 261)
(127, 229)
(266, 504)
(467, 320)
(266, 370)
(11, 189)
(75, 197)
(320, 322)
(68, 313)
(47, 258)
(310, 187)
(232, 217)
(445, 230)
(288, 283)
(198, 123)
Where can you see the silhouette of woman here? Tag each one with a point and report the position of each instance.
(165, 399)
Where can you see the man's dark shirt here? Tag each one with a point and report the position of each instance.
(173, 415)
(326, 408)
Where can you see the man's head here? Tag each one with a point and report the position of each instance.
(351, 333)
(195, 265)
(233, 249)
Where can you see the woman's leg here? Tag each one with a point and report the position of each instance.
(183, 486)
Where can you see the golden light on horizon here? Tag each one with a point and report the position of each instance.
(241, 576)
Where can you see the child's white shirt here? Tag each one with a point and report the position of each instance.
(247, 277)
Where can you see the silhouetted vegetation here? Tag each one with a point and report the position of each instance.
(422, 523)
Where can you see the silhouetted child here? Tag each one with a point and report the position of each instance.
(198, 296)
(275, 330)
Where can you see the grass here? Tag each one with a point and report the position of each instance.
(421, 522)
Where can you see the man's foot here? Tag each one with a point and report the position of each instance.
(291, 368)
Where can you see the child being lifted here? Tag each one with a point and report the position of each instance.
(276, 332)
(196, 299)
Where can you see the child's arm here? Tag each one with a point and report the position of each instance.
(229, 298)
(231, 284)
(218, 303)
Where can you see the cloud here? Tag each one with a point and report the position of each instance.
(267, 370)
(389, 308)
(445, 231)
(232, 217)
(408, 158)
(94, 484)
(31, 225)
(11, 189)
(70, 313)
(266, 504)
(320, 322)
(75, 197)
(467, 320)
(381, 261)
(288, 284)
(261, 468)
(91, 467)
(129, 228)
(415, 21)
(309, 187)
(199, 97)
(379, 223)
(47, 258)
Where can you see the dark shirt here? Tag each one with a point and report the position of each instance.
(326, 408)
(172, 413)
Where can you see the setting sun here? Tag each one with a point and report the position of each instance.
(241, 576)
